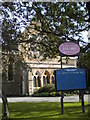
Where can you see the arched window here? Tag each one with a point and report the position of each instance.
(43, 80)
(37, 79)
(47, 79)
(39, 82)
(34, 81)
(52, 80)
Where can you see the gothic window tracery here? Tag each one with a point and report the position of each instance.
(37, 79)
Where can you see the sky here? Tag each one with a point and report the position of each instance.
(85, 36)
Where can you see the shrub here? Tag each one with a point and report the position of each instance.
(47, 88)
(44, 94)
(46, 91)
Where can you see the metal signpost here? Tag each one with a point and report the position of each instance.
(62, 96)
(70, 49)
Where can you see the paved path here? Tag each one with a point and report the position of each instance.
(47, 99)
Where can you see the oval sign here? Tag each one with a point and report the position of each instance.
(69, 48)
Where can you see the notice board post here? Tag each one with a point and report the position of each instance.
(62, 95)
(82, 101)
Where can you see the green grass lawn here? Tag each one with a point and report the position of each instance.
(47, 111)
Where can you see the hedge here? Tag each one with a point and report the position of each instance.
(49, 91)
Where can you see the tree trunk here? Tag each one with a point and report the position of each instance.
(5, 103)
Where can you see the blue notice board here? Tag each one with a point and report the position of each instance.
(70, 79)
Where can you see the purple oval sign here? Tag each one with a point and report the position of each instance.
(69, 48)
